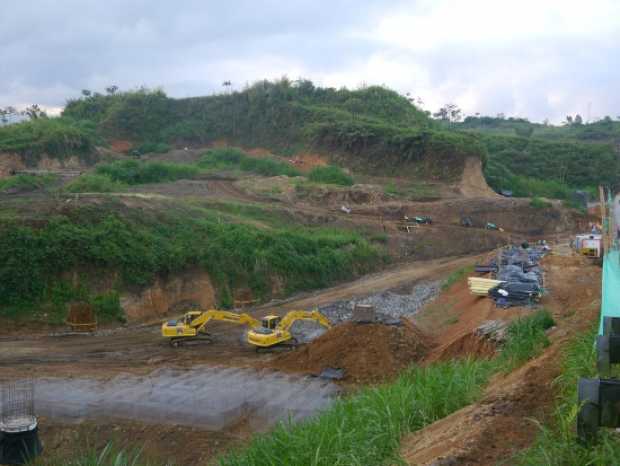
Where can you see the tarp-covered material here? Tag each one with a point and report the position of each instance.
(610, 301)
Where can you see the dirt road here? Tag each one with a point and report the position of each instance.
(141, 349)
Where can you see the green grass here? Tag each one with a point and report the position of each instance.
(139, 245)
(138, 172)
(413, 192)
(234, 158)
(456, 276)
(93, 183)
(366, 428)
(25, 182)
(154, 147)
(556, 443)
(538, 203)
(330, 175)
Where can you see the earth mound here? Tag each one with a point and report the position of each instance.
(365, 352)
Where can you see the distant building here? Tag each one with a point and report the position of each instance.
(12, 118)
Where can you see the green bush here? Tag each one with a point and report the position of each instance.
(156, 147)
(93, 183)
(526, 338)
(25, 182)
(538, 203)
(56, 137)
(234, 158)
(330, 175)
(107, 307)
(140, 245)
(556, 165)
(138, 172)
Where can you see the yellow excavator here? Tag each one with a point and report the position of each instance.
(192, 325)
(272, 330)
(275, 330)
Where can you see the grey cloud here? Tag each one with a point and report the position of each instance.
(50, 49)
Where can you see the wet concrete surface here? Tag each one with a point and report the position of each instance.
(209, 397)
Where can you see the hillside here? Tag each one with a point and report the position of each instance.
(540, 159)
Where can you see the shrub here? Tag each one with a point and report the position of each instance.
(25, 182)
(156, 147)
(56, 137)
(330, 175)
(139, 245)
(234, 158)
(138, 172)
(107, 307)
(93, 183)
(538, 203)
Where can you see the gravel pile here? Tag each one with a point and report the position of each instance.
(389, 306)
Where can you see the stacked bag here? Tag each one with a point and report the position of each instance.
(519, 270)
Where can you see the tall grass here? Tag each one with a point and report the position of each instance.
(366, 428)
(25, 182)
(330, 175)
(93, 183)
(557, 442)
(138, 172)
(456, 276)
(234, 158)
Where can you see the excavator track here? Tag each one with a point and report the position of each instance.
(178, 341)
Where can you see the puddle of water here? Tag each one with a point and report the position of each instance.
(206, 396)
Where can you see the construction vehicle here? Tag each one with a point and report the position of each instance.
(589, 245)
(275, 330)
(192, 325)
(493, 226)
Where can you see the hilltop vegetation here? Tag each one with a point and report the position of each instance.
(372, 130)
(55, 137)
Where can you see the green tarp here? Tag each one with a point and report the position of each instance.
(610, 301)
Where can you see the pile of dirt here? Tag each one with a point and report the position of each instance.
(469, 345)
(366, 352)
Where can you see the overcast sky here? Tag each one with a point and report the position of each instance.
(531, 58)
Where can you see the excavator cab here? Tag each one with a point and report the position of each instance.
(271, 322)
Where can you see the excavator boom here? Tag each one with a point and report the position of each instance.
(262, 337)
(193, 323)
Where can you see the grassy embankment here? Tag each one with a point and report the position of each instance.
(557, 442)
(25, 182)
(136, 246)
(534, 159)
(366, 428)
